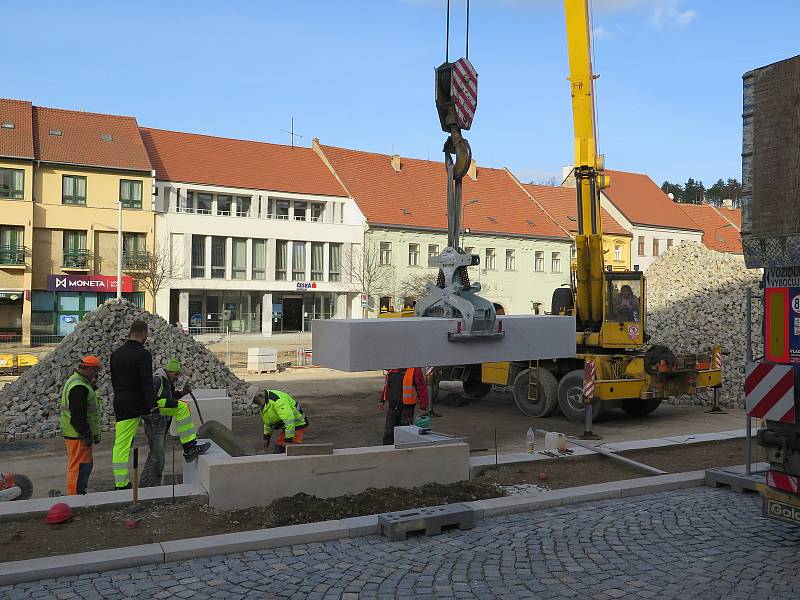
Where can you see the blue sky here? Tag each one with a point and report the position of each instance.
(359, 74)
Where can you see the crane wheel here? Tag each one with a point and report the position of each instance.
(570, 398)
(545, 401)
(639, 408)
(476, 389)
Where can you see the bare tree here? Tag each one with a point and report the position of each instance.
(153, 270)
(414, 286)
(362, 264)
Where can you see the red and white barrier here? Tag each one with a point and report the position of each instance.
(769, 391)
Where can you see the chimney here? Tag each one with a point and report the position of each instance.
(396, 162)
(473, 170)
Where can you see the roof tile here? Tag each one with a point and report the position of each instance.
(416, 196)
(642, 202)
(80, 142)
(205, 159)
(719, 232)
(16, 142)
(561, 204)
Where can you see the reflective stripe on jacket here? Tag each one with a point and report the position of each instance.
(93, 408)
(284, 413)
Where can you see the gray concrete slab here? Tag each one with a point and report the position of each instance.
(361, 344)
(97, 499)
(358, 526)
(254, 540)
(76, 564)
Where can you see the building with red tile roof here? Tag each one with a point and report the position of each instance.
(719, 225)
(524, 252)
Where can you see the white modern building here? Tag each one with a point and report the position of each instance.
(257, 232)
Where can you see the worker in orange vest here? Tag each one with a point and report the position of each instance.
(402, 389)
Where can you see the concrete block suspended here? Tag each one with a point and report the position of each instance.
(376, 344)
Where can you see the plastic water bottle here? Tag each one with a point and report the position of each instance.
(530, 440)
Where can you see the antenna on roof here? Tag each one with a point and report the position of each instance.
(291, 133)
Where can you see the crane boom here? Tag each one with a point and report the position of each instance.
(588, 166)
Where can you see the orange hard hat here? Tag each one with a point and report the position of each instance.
(90, 362)
(59, 513)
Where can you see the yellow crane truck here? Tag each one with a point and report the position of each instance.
(609, 306)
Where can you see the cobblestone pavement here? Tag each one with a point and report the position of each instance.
(697, 543)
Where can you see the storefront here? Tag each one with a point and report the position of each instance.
(69, 298)
(294, 311)
(10, 312)
(220, 311)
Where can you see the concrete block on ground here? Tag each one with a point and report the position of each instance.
(410, 436)
(361, 526)
(245, 481)
(736, 478)
(260, 539)
(375, 344)
(661, 483)
(10, 510)
(431, 520)
(35, 569)
(215, 405)
(309, 449)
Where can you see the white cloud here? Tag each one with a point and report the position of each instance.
(670, 15)
(600, 33)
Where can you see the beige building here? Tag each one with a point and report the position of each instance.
(64, 174)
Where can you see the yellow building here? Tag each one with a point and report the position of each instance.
(561, 204)
(63, 174)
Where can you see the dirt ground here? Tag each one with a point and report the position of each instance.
(31, 537)
(342, 409)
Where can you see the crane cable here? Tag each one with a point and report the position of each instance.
(447, 34)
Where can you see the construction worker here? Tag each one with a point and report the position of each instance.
(402, 389)
(169, 405)
(81, 422)
(279, 411)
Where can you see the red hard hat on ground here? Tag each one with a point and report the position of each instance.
(59, 513)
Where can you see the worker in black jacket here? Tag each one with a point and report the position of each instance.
(134, 397)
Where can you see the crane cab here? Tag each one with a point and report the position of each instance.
(623, 310)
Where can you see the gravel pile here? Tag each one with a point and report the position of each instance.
(696, 298)
(29, 406)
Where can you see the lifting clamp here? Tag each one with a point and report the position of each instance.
(452, 295)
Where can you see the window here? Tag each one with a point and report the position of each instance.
(259, 259)
(280, 260)
(73, 189)
(204, 204)
(573, 251)
(11, 183)
(386, 253)
(538, 261)
(490, 259)
(511, 260)
(317, 261)
(12, 247)
(217, 257)
(335, 262)
(282, 208)
(130, 193)
(188, 203)
(656, 247)
(300, 211)
(623, 304)
(298, 261)
(555, 262)
(317, 210)
(618, 251)
(224, 204)
(76, 256)
(239, 258)
(669, 243)
(433, 250)
(413, 255)
(134, 253)
(641, 245)
(198, 255)
(243, 206)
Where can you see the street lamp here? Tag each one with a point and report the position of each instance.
(466, 229)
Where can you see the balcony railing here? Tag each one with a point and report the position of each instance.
(135, 261)
(12, 255)
(76, 259)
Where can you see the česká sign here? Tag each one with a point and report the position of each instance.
(306, 285)
(87, 283)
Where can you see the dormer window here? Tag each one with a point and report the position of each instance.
(56, 132)
(106, 137)
(7, 125)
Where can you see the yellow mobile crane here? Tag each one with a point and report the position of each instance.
(609, 306)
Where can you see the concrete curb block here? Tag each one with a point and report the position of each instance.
(34, 569)
(261, 539)
(508, 505)
(184, 491)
